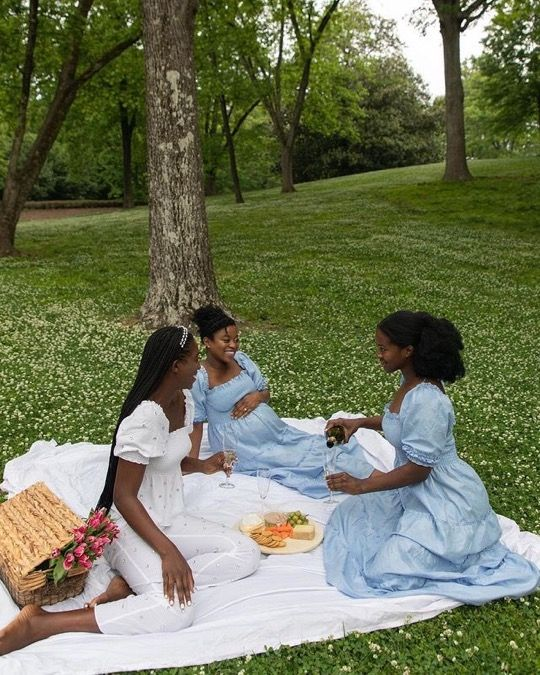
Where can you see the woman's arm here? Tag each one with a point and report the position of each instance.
(209, 465)
(196, 438)
(352, 424)
(408, 474)
(374, 423)
(176, 572)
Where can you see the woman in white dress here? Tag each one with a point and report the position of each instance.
(162, 553)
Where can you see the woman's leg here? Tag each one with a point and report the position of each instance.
(33, 624)
(145, 609)
(216, 554)
(116, 590)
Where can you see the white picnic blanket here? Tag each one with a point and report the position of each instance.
(286, 602)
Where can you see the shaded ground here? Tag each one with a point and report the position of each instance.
(56, 214)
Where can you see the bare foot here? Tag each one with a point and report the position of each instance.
(19, 633)
(116, 590)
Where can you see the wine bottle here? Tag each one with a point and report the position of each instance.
(335, 436)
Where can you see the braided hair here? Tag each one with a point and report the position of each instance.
(437, 343)
(209, 319)
(162, 348)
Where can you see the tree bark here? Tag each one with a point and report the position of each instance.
(127, 125)
(181, 272)
(229, 140)
(456, 168)
(287, 177)
(210, 181)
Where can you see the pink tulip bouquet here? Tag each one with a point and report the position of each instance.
(88, 543)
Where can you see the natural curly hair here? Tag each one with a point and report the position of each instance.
(209, 319)
(436, 343)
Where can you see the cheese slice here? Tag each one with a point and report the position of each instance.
(303, 532)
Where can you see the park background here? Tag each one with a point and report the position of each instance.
(309, 272)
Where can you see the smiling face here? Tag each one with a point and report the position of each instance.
(186, 369)
(392, 357)
(223, 345)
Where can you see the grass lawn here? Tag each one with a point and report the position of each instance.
(311, 274)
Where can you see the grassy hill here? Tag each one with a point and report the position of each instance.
(310, 274)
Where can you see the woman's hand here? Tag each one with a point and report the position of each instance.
(177, 577)
(214, 463)
(344, 482)
(246, 404)
(350, 426)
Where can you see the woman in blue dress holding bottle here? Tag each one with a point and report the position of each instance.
(232, 395)
(426, 526)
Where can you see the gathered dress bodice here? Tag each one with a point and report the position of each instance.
(144, 438)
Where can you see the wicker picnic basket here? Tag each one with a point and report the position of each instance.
(32, 523)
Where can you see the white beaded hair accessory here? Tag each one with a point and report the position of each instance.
(184, 336)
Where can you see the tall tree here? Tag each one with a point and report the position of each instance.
(279, 72)
(181, 272)
(227, 98)
(69, 45)
(455, 16)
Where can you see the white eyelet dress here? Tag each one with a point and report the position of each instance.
(216, 554)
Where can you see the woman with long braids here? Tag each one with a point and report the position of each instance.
(426, 526)
(162, 553)
(232, 395)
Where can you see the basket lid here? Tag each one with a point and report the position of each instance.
(32, 523)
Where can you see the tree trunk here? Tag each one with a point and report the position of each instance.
(287, 182)
(181, 273)
(210, 181)
(20, 180)
(229, 140)
(456, 168)
(127, 126)
(10, 211)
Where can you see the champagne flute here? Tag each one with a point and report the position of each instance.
(229, 458)
(329, 469)
(263, 483)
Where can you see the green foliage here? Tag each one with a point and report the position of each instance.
(220, 73)
(356, 247)
(502, 85)
(485, 136)
(395, 125)
(510, 66)
(61, 30)
(92, 138)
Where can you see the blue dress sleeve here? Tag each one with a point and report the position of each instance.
(252, 369)
(426, 419)
(199, 392)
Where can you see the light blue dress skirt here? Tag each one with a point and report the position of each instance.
(263, 441)
(439, 536)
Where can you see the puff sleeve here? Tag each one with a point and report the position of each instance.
(143, 434)
(252, 369)
(427, 420)
(199, 393)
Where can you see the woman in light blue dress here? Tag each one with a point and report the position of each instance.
(426, 526)
(232, 395)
